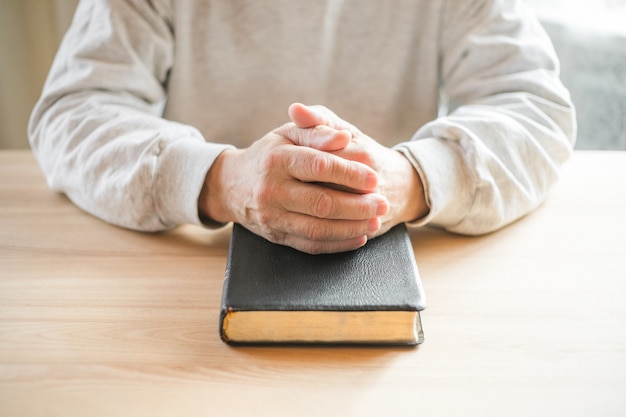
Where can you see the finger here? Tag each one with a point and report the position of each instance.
(310, 165)
(364, 150)
(300, 226)
(308, 116)
(344, 236)
(327, 203)
(325, 247)
(321, 137)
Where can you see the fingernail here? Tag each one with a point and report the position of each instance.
(373, 225)
(383, 207)
(371, 181)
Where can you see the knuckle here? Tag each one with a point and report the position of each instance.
(317, 231)
(323, 205)
(285, 130)
(266, 194)
(298, 136)
(266, 222)
(266, 219)
(319, 130)
(275, 157)
(266, 205)
(274, 236)
(320, 165)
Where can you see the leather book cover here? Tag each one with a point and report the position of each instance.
(382, 276)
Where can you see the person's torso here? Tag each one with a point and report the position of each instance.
(241, 63)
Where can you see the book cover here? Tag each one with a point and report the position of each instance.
(277, 294)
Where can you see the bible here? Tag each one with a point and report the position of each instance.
(277, 294)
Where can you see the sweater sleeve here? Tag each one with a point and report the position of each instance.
(510, 126)
(97, 130)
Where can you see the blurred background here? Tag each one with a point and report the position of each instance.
(589, 37)
(30, 32)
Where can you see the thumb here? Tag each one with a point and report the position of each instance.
(320, 137)
(306, 116)
(310, 116)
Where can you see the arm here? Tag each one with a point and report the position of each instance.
(97, 129)
(99, 137)
(493, 158)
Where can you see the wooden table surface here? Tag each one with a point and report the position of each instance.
(100, 321)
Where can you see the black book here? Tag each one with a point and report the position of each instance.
(276, 294)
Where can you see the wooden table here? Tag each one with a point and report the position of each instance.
(101, 321)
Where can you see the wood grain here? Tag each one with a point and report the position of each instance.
(100, 321)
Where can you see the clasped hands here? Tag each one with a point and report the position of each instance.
(317, 184)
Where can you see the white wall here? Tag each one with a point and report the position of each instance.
(30, 31)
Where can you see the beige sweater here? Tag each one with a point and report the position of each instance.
(143, 96)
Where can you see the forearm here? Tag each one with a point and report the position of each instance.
(123, 165)
(474, 186)
(511, 125)
(97, 129)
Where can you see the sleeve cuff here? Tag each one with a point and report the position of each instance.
(447, 184)
(180, 171)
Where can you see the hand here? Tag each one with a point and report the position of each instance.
(398, 181)
(272, 189)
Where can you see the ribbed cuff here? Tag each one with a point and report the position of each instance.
(447, 183)
(181, 169)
